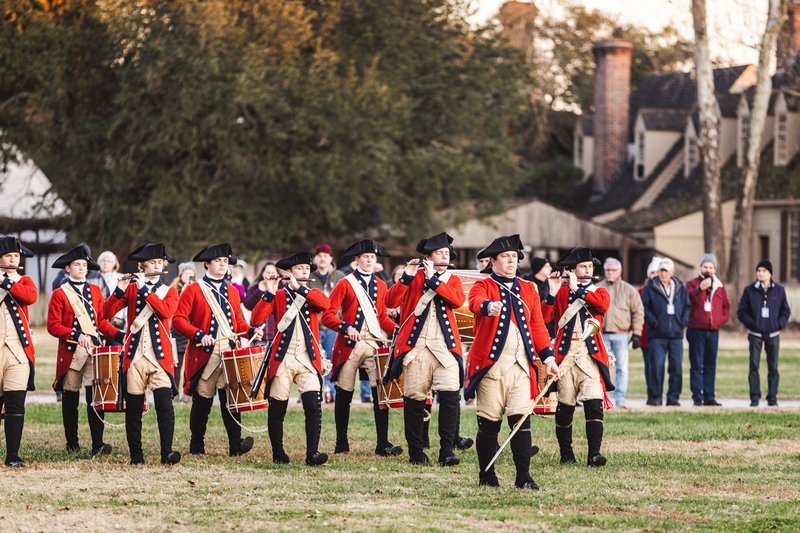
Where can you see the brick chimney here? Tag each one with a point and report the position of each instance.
(612, 81)
(789, 38)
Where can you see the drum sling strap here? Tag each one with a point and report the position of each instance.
(291, 313)
(367, 306)
(429, 295)
(224, 325)
(147, 312)
(81, 315)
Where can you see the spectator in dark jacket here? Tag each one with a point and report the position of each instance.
(710, 311)
(764, 311)
(253, 295)
(666, 312)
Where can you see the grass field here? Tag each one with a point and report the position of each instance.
(711, 469)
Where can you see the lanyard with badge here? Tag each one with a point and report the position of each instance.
(669, 292)
(764, 308)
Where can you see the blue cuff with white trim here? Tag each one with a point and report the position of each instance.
(405, 279)
(303, 290)
(7, 283)
(119, 294)
(433, 283)
(581, 292)
(485, 307)
(343, 327)
(267, 296)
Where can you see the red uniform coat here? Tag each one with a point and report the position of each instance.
(597, 300)
(21, 294)
(192, 319)
(406, 294)
(344, 297)
(159, 322)
(277, 305)
(491, 332)
(61, 323)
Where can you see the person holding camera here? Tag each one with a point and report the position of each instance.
(710, 311)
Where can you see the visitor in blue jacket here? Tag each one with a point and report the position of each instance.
(666, 312)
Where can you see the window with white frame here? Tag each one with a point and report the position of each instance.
(782, 140)
(640, 155)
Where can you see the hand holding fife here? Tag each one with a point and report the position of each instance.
(140, 279)
(554, 284)
(427, 264)
(495, 308)
(573, 280)
(123, 283)
(353, 334)
(411, 267)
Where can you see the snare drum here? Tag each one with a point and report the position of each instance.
(106, 383)
(391, 394)
(240, 367)
(547, 405)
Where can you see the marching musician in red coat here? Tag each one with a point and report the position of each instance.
(575, 302)
(361, 298)
(75, 314)
(295, 355)
(147, 359)
(16, 344)
(427, 349)
(209, 314)
(509, 336)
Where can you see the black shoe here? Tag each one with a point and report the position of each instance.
(534, 450)
(699, 402)
(597, 460)
(342, 448)
(673, 403)
(16, 463)
(488, 479)
(73, 448)
(712, 403)
(654, 402)
(136, 462)
(450, 460)
(245, 445)
(773, 403)
(317, 459)
(568, 460)
(753, 403)
(172, 458)
(528, 484)
(104, 449)
(464, 443)
(421, 459)
(389, 450)
(197, 450)
(281, 459)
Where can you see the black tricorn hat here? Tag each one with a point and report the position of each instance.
(300, 258)
(506, 243)
(537, 263)
(440, 240)
(579, 254)
(10, 244)
(366, 246)
(79, 252)
(212, 251)
(151, 250)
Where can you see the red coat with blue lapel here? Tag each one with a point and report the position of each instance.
(406, 294)
(162, 313)
(491, 331)
(61, 324)
(344, 297)
(21, 294)
(597, 300)
(316, 302)
(192, 319)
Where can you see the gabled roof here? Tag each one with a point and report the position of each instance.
(664, 119)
